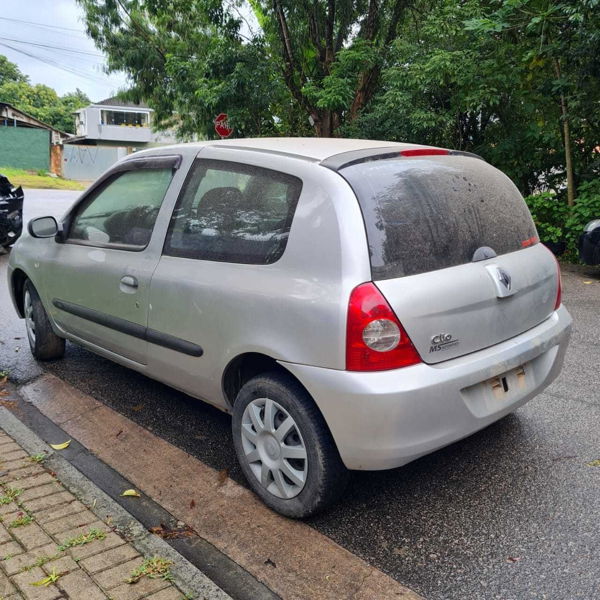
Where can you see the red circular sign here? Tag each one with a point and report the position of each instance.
(222, 125)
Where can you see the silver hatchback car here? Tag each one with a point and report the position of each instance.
(353, 304)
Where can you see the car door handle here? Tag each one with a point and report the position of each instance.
(129, 281)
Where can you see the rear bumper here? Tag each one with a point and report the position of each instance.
(386, 419)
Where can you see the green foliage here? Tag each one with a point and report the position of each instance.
(556, 222)
(40, 101)
(549, 214)
(586, 208)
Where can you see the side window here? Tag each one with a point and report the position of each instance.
(123, 212)
(231, 212)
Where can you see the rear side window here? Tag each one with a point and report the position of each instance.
(231, 212)
(424, 214)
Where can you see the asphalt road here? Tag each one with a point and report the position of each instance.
(511, 513)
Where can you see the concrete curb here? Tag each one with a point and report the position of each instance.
(186, 576)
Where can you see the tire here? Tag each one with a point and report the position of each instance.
(291, 485)
(44, 343)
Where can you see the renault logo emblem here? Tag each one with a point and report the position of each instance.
(504, 278)
(502, 281)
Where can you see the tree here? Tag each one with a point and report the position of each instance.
(558, 42)
(10, 73)
(318, 59)
(40, 101)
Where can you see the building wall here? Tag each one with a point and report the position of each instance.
(87, 163)
(24, 148)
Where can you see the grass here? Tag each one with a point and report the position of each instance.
(9, 495)
(38, 458)
(21, 521)
(35, 179)
(154, 568)
(84, 538)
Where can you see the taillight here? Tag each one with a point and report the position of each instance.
(375, 339)
(558, 286)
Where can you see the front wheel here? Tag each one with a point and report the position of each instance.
(284, 447)
(44, 343)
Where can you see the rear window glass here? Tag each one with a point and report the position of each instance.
(431, 213)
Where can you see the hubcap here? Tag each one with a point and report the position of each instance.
(29, 322)
(274, 448)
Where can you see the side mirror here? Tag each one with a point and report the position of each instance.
(43, 227)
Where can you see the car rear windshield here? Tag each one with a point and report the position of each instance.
(428, 213)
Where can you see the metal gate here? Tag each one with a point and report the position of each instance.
(87, 163)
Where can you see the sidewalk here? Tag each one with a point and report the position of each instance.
(54, 545)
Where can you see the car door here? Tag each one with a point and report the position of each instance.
(98, 279)
(228, 230)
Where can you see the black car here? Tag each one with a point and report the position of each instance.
(11, 212)
(589, 243)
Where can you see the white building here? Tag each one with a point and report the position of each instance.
(105, 132)
(113, 122)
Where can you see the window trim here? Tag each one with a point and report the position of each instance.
(239, 167)
(172, 161)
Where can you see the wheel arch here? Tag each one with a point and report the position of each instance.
(18, 279)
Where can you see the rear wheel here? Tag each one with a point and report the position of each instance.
(285, 448)
(44, 343)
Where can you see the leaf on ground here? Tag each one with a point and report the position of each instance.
(61, 446)
(3, 379)
(131, 493)
(137, 407)
(513, 559)
(168, 533)
(587, 282)
(594, 463)
(192, 503)
(222, 476)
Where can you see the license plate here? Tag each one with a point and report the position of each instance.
(508, 382)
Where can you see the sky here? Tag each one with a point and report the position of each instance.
(73, 62)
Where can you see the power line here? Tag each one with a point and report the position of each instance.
(53, 63)
(30, 43)
(40, 24)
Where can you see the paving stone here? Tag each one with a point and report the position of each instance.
(135, 591)
(74, 532)
(41, 491)
(48, 501)
(58, 512)
(64, 564)
(6, 587)
(31, 536)
(20, 473)
(16, 563)
(35, 480)
(13, 465)
(117, 575)
(79, 585)
(109, 559)
(32, 592)
(112, 540)
(6, 509)
(8, 447)
(4, 535)
(68, 522)
(10, 549)
(6, 457)
(170, 593)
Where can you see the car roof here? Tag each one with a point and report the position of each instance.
(317, 149)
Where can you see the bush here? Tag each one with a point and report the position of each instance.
(556, 222)
(549, 215)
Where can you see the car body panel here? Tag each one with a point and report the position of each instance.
(387, 419)
(295, 310)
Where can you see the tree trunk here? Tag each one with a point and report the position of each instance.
(566, 131)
